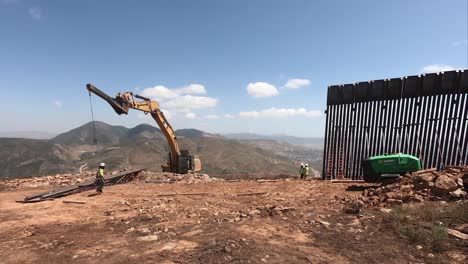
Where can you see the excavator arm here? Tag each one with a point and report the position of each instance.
(179, 161)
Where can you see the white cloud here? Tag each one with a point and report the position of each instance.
(437, 68)
(168, 114)
(187, 102)
(180, 99)
(211, 117)
(261, 89)
(57, 103)
(35, 13)
(190, 115)
(159, 93)
(163, 93)
(281, 113)
(459, 43)
(229, 116)
(143, 116)
(296, 83)
(192, 89)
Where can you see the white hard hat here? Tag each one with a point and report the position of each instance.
(307, 165)
(102, 164)
(302, 164)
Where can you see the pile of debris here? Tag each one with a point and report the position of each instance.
(64, 180)
(166, 177)
(61, 180)
(448, 185)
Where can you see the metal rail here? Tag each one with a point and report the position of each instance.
(121, 177)
(425, 116)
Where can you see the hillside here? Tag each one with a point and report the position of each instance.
(303, 141)
(105, 134)
(141, 146)
(299, 153)
(26, 157)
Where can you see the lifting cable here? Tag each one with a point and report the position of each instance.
(92, 118)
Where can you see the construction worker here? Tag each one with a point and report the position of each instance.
(301, 171)
(100, 178)
(306, 171)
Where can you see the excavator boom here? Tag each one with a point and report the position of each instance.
(118, 107)
(179, 161)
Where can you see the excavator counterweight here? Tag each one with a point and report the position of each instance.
(179, 161)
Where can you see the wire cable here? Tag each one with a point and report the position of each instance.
(92, 118)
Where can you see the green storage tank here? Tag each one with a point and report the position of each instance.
(377, 168)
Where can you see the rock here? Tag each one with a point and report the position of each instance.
(416, 198)
(254, 212)
(430, 255)
(425, 177)
(170, 246)
(353, 207)
(423, 185)
(406, 197)
(457, 234)
(364, 199)
(385, 210)
(457, 256)
(365, 193)
(443, 185)
(148, 238)
(144, 230)
(355, 222)
(406, 188)
(460, 182)
(392, 195)
(459, 193)
(419, 247)
(462, 228)
(323, 223)
(465, 181)
(394, 201)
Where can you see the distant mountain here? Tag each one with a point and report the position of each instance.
(27, 134)
(281, 138)
(27, 157)
(297, 153)
(105, 134)
(141, 146)
(143, 131)
(222, 156)
(194, 133)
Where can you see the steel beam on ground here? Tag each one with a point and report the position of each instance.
(121, 177)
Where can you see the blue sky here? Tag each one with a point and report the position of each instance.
(219, 66)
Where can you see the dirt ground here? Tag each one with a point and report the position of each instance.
(284, 221)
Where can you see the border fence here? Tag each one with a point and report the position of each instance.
(424, 115)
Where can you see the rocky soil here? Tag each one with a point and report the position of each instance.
(63, 180)
(162, 218)
(448, 185)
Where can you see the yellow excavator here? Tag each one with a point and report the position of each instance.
(179, 161)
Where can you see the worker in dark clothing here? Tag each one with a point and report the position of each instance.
(100, 178)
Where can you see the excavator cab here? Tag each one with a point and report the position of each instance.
(186, 163)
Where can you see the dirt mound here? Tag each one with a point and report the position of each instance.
(155, 177)
(449, 185)
(64, 180)
(61, 180)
